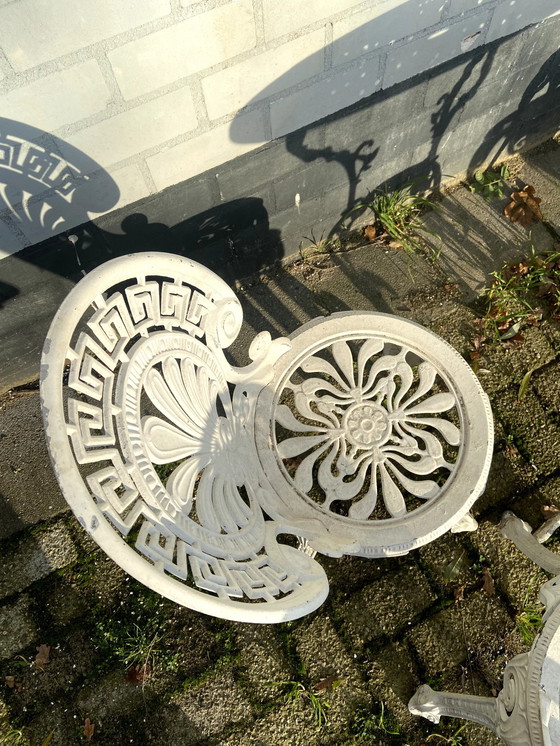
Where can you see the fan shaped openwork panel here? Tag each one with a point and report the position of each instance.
(379, 427)
(151, 433)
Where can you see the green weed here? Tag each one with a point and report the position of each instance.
(397, 214)
(455, 739)
(295, 690)
(318, 246)
(368, 725)
(490, 184)
(529, 621)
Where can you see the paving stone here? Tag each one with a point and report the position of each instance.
(393, 679)
(447, 562)
(323, 655)
(72, 657)
(201, 712)
(28, 488)
(17, 628)
(34, 557)
(266, 664)
(289, 724)
(475, 629)
(61, 721)
(510, 475)
(63, 601)
(546, 384)
(503, 365)
(538, 435)
(513, 573)
(386, 606)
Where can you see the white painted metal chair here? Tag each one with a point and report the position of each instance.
(527, 710)
(215, 485)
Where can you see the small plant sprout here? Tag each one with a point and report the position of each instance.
(317, 246)
(455, 739)
(295, 690)
(396, 214)
(490, 184)
(529, 621)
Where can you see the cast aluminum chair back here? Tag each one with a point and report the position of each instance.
(527, 710)
(215, 485)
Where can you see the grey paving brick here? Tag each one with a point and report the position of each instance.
(324, 655)
(201, 712)
(17, 627)
(34, 557)
(386, 606)
(474, 628)
(264, 660)
(393, 679)
(513, 573)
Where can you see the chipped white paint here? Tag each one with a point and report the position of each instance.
(362, 434)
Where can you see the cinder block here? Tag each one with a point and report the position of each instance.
(273, 161)
(309, 183)
(264, 75)
(35, 31)
(131, 185)
(206, 151)
(292, 15)
(183, 49)
(62, 98)
(429, 51)
(374, 119)
(509, 17)
(138, 129)
(381, 25)
(336, 92)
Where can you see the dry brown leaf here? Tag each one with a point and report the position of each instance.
(88, 729)
(524, 207)
(370, 232)
(548, 511)
(43, 656)
(326, 683)
(488, 585)
(459, 594)
(138, 673)
(10, 681)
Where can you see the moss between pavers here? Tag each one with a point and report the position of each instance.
(474, 628)
(323, 655)
(535, 435)
(200, 712)
(386, 606)
(514, 574)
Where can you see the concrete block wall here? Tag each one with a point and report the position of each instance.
(130, 98)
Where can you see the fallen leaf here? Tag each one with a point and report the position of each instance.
(43, 656)
(488, 585)
(453, 569)
(370, 232)
(10, 681)
(328, 683)
(138, 673)
(548, 511)
(524, 207)
(511, 330)
(459, 594)
(48, 739)
(88, 729)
